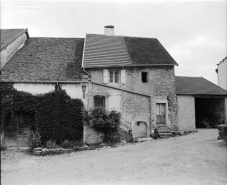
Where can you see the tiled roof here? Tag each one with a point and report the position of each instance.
(107, 51)
(147, 51)
(46, 59)
(8, 34)
(101, 50)
(197, 86)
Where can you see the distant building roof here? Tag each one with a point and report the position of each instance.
(225, 59)
(197, 86)
(46, 59)
(110, 51)
(9, 35)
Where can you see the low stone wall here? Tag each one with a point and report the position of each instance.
(92, 136)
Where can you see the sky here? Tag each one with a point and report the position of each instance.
(193, 32)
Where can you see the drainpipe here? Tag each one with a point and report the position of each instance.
(150, 113)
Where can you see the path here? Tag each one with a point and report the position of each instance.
(198, 158)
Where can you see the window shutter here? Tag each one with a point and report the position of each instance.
(105, 76)
(123, 76)
(115, 103)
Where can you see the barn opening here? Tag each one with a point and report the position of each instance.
(209, 112)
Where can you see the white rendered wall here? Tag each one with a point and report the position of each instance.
(222, 74)
(186, 113)
(73, 90)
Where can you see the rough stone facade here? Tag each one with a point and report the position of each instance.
(136, 100)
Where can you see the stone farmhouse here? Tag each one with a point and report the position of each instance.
(132, 75)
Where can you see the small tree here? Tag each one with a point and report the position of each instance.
(103, 121)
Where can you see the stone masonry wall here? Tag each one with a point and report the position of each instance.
(161, 83)
(134, 107)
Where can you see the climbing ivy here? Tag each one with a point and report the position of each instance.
(53, 115)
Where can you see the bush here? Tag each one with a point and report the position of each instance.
(51, 144)
(3, 147)
(35, 141)
(222, 131)
(67, 144)
(103, 121)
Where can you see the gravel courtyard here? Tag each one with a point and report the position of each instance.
(197, 158)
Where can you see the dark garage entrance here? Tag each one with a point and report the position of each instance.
(209, 112)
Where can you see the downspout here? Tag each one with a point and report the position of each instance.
(150, 113)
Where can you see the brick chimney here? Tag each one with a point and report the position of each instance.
(109, 30)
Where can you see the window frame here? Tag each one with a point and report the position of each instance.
(99, 98)
(115, 75)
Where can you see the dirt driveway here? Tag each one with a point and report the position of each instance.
(197, 158)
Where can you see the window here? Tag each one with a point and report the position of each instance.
(144, 77)
(99, 101)
(114, 76)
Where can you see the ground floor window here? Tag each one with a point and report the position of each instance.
(99, 101)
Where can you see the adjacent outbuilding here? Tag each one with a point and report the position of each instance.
(201, 104)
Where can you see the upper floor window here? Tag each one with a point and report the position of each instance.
(144, 76)
(114, 76)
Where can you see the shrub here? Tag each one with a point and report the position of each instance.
(35, 141)
(51, 144)
(103, 121)
(3, 147)
(67, 144)
(222, 131)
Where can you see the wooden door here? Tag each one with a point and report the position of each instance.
(17, 132)
(160, 113)
(23, 132)
(11, 132)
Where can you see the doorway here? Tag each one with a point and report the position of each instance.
(17, 130)
(140, 129)
(160, 113)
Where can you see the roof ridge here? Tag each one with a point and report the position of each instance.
(120, 36)
(129, 58)
(14, 29)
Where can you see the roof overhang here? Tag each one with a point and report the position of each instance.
(133, 65)
(204, 95)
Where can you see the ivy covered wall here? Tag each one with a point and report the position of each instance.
(56, 115)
